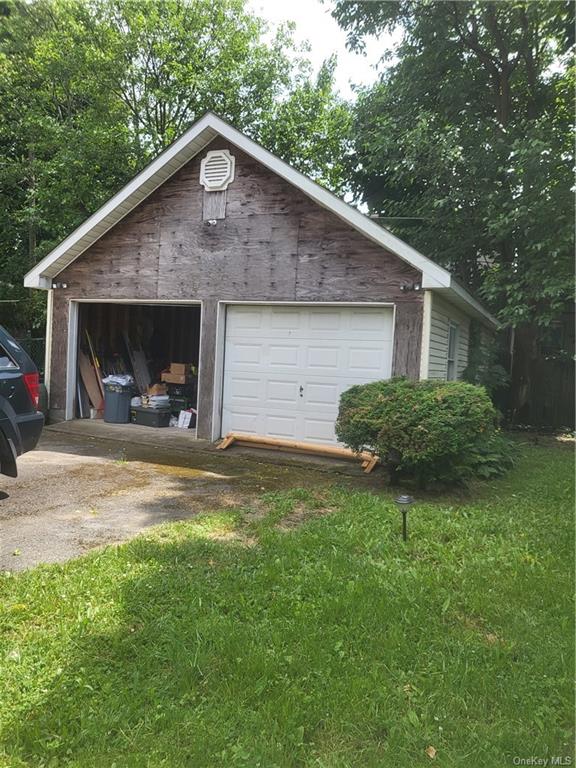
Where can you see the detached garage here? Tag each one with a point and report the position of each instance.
(278, 295)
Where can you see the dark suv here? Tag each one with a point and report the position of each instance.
(20, 420)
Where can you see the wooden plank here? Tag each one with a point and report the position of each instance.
(228, 440)
(214, 205)
(369, 465)
(139, 365)
(82, 399)
(90, 381)
(96, 364)
(368, 460)
(141, 372)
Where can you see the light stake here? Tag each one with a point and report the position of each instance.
(403, 503)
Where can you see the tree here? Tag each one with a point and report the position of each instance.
(465, 146)
(320, 150)
(465, 149)
(90, 90)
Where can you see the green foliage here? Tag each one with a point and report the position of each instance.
(430, 430)
(90, 90)
(321, 146)
(491, 457)
(484, 367)
(305, 635)
(469, 138)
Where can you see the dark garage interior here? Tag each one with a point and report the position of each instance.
(158, 345)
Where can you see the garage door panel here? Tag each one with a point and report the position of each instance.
(371, 322)
(247, 319)
(283, 355)
(286, 319)
(279, 335)
(325, 358)
(241, 389)
(285, 368)
(241, 421)
(282, 392)
(246, 354)
(319, 430)
(325, 320)
(321, 394)
(281, 426)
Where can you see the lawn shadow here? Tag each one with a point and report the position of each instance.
(181, 673)
(224, 642)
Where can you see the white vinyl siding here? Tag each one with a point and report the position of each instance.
(442, 314)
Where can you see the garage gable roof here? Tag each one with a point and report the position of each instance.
(193, 141)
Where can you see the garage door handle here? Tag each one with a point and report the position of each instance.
(301, 391)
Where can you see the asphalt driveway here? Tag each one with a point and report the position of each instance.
(78, 491)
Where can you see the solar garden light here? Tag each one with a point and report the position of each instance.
(403, 503)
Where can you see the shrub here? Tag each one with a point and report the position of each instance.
(430, 430)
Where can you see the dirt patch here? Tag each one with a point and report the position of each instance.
(478, 626)
(301, 514)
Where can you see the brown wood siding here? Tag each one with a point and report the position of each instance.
(274, 244)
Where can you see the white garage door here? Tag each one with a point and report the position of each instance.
(285, 367)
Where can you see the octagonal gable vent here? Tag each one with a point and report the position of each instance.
(217, 170)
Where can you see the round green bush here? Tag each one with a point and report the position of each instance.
(432, 430)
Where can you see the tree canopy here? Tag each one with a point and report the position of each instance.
(465, 145)
(90, 90)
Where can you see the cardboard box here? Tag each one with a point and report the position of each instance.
(158, 389)
(179, 368)
(174, 378)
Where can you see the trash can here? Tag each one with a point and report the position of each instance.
(117, 403)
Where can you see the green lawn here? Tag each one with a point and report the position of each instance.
(303, 632)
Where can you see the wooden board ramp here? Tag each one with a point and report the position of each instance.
(368, 460)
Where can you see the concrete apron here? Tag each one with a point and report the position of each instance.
(91, 483)
(176, 440)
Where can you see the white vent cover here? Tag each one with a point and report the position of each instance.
(217, 170)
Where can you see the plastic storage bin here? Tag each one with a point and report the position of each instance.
(150, 417)
(117, 403)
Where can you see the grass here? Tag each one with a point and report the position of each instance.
(303, 632)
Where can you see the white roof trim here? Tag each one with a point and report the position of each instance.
(178, 154)
(459, 295)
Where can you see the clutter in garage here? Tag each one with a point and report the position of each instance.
(128, 369)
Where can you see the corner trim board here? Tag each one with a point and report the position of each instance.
(426, 326)
(48, 347)
(71, 360)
